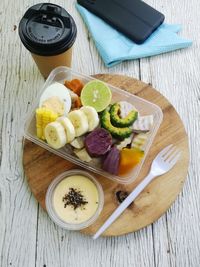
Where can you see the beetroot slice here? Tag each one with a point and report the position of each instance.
(98, 142)
(111, 162)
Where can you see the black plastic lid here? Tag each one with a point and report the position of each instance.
(47, 29)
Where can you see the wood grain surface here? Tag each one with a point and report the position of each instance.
(27, 236)
(41, 167)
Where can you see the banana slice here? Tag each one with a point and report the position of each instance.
(55, 135)
(69, 128)
(92, 116)
(78, 142)
(79, 121)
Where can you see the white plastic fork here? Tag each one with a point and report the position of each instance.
(163, 162)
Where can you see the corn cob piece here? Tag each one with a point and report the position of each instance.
(43, 117)
(139, 141)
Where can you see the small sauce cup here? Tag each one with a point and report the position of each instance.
(58, 212)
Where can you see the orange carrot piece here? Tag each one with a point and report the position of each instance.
(75, 85)
(67, 84)
(77, 103)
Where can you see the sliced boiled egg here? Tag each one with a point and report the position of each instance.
(57, 98)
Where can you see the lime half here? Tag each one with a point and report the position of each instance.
(96, 94)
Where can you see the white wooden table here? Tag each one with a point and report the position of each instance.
(27, 236)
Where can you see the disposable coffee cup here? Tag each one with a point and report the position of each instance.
(48, 31)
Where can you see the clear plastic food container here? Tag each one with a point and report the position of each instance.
(144, 107)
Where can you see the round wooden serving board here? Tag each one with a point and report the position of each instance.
(41, 167)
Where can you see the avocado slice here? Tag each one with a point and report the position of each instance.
(122, 122)
(117, 132)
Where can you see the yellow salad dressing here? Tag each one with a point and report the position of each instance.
(75, 199)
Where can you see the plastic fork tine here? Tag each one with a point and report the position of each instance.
(169, 153)
(165, 150)
(175, 159)
(172, 155)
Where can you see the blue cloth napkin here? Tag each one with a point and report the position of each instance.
(114, 47)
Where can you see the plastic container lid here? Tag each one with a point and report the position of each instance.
(47, 29)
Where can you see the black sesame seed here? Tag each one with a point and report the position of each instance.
(74, 198)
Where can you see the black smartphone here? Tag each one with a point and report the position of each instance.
(133, 18)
